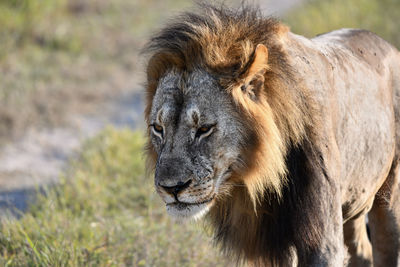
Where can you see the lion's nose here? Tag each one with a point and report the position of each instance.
(175, 189)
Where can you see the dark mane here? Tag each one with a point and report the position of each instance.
(219, 39)
(222, 41)
(281, 228)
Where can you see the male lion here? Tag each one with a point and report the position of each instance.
(285, 142)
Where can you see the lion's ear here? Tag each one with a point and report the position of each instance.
(260, 61)
(253, 81)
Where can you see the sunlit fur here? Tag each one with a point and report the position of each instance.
(223, 42)
(224, 46)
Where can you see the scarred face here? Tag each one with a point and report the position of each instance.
(195, 132)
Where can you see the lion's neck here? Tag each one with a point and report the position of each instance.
(272, 232)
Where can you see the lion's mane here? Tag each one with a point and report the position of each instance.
(268, 212)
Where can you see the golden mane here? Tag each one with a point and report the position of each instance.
(223, 42)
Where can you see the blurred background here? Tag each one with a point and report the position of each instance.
(73, 189)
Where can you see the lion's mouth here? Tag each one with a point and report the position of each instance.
(185, 210)
(183, 205)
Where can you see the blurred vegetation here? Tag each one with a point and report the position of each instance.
(63, 56)
(319, 16)
(27, 21)
(76, 25)
(104, 213)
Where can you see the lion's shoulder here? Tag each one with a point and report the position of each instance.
(362, 43)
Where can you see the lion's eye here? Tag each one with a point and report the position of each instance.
(204, 131)
(158, 129)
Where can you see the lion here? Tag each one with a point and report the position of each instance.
(284, 143)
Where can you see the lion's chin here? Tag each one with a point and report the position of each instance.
(185, 211)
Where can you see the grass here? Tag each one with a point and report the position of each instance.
(59, 57)
(319, 16)
(104, 213)
(22, 21)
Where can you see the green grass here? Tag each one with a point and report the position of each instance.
(105, 213)
(22, 21)
(64, 56)
(319, 16)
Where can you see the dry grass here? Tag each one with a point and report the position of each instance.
(105, 213)
(59, 57)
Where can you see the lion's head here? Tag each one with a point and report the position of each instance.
(214, 110)
(196, 133)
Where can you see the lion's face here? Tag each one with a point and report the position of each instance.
(195, 131)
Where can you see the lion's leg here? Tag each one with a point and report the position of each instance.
(357, 242)
(332, 251)
(384, 220)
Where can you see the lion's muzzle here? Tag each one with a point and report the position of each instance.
(174, 190)
(184, 194)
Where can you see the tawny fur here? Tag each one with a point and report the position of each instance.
(225, 49)
(296, 184)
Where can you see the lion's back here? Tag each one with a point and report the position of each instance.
(360, 84)
(353, 47)
(363, 45)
